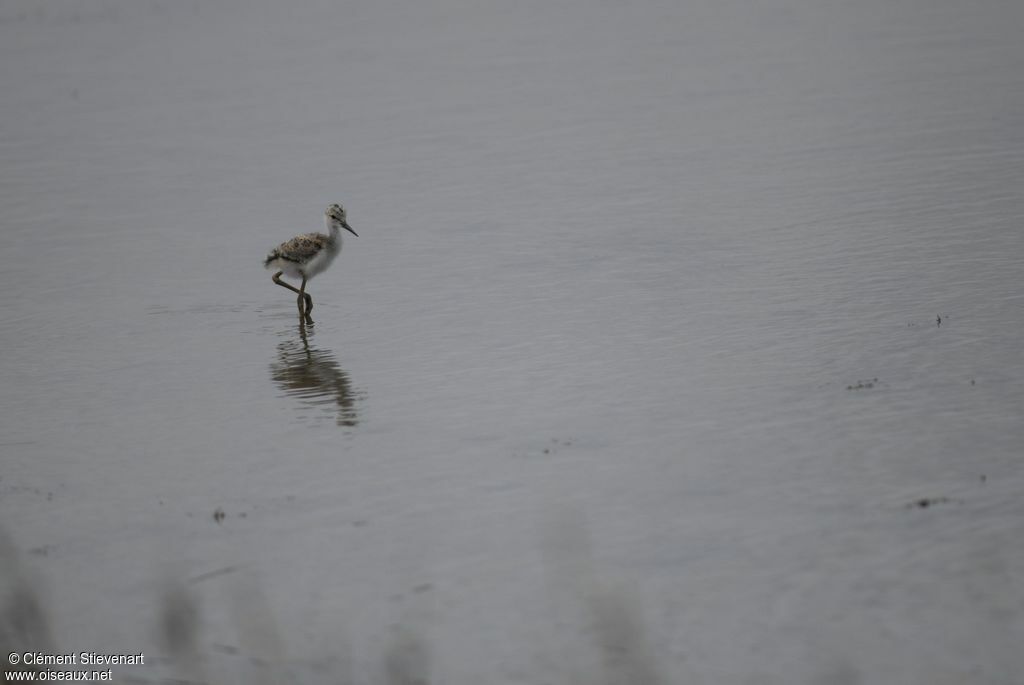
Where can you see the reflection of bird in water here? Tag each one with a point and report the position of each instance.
(306, 255)
(314, 377)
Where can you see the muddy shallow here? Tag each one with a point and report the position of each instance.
(635, 372)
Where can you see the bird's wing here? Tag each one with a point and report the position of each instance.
(301, 248)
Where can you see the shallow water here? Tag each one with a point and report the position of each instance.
(635, 373)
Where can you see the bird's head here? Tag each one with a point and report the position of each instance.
(336, 214)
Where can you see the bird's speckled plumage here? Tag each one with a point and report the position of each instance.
(306, 255)
(300, 249)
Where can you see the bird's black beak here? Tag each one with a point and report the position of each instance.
(349, 229)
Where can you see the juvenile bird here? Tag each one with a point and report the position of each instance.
(306, 255)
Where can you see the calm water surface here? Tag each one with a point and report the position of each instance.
(635, 373)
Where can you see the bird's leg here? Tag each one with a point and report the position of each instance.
(303, 297)
(308, 299)
(277, 279)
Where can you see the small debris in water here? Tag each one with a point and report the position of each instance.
(219, 515)
(863, 385)
(926, 502)
(212, 574)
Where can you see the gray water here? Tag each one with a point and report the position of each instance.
(681, 342)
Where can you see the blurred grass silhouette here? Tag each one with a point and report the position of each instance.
(613, 649)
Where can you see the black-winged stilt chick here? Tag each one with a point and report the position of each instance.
(306, 255)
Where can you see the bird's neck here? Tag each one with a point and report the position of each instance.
(333, 227)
